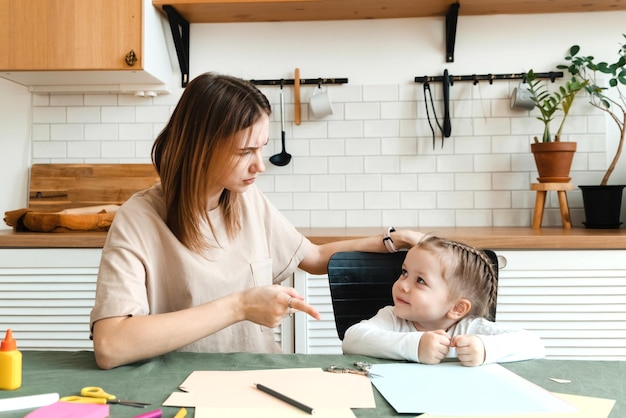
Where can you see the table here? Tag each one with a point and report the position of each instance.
(154, 380)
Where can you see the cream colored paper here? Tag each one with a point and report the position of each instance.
(312, 387)
(209, 412)
(587, 408)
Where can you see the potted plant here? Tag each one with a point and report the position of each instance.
(603, 202)
(553, 157)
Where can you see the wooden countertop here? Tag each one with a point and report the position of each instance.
(483, 237)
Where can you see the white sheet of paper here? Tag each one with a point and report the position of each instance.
(455, 390)
(587, 408)
(312, 387)
(209, 412)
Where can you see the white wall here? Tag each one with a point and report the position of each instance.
(372, 162)
(15, 110)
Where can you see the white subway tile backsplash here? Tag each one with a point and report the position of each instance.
(472, 181)
(346, 201)
(83, 114)
(363, 182)
(49, 114)
(83, 149)
(40, 132)
(122, 114)
(345, 165)
(364, 218)
(100, 100)
(399, 182)
(398, 146)
(363, 146)
(455, 200)
(328, 219)
(371, 163)
(436, 218)
(385, 164)
(381, 200)
(345, 129)
(362, 111)
(135, 132)
(101, 132)
(418, 200)
(152, 114)
(474, 218)
(401, 218)
(294, 184)
(492, 199)
(381, 128)
(380, 93)
(49, 150)
(67, 132)
(435, 182)
(310, 200)
(118, 149)
(66, 100)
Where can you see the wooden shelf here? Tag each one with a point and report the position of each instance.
(214, 11)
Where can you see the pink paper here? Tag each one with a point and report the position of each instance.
(71, 410)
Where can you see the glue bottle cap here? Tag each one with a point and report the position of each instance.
(8, 344)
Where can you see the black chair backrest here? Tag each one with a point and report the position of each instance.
(360, 284)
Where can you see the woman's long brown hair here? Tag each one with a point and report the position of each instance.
(197, 149)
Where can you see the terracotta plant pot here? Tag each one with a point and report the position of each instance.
(553, 160)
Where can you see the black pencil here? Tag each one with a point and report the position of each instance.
(284, 398)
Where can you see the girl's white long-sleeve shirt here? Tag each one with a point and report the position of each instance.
(387, 336)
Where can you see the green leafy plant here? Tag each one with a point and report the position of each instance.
(548, 103)
(587, 69)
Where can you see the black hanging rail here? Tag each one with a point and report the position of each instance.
(552, 75)
(291, 81)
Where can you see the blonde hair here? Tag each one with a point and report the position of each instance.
(468, 271)
(196, 150)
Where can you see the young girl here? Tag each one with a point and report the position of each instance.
(440, 303)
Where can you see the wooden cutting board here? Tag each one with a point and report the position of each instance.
(54, 187)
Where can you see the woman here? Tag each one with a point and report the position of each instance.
(194, 263)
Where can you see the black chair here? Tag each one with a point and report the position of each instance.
(360, 284)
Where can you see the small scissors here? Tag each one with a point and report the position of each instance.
(94, 394)
(362, 369)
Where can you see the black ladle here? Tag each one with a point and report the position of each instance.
(284, 157)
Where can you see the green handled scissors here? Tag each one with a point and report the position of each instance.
(96, 395)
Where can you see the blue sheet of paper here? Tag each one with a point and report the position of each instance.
(452, 389)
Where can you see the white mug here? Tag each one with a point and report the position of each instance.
(521, 98)
(319, 102)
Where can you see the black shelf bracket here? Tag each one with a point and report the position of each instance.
(451, 19)
(180, 33)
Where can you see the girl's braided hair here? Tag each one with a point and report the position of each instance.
(469, 272)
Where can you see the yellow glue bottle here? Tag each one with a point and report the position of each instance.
(10, 363)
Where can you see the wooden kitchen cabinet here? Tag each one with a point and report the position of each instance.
(94, 43)
(70, 34)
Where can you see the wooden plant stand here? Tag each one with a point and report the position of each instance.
(540, 201)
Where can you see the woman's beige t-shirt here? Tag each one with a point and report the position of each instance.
(145, 269)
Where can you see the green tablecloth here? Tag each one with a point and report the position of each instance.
(153, 381)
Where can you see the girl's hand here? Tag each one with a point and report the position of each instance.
(269, 305)
(470, 349)
(433, 347)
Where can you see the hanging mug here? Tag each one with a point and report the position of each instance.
(521, 98)
(319, 102)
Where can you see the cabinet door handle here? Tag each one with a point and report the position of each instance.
(131, 58)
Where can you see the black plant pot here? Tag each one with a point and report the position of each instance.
(603, 205)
